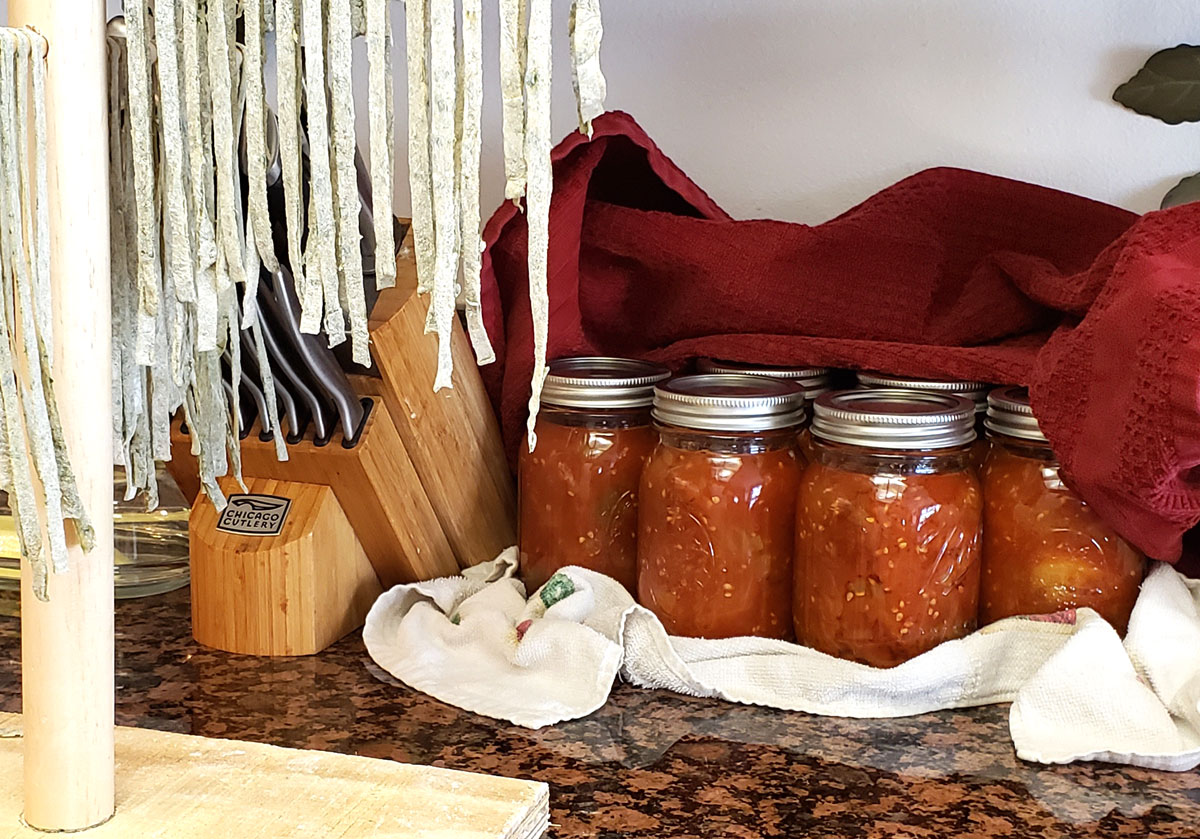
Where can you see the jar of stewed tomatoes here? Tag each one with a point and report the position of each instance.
(578, 489)
(977, 392)
(715, 523)
(812, 380)
(1044, 548)
(888, 524)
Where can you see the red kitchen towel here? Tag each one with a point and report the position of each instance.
(947, 273)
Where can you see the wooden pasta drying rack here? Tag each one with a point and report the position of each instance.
(424, 491)
(171, 785)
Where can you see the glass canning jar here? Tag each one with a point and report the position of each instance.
(715, 526)
(888, 524)
(578, 489)
(812, 380)
(1044, 548)
(977, 392)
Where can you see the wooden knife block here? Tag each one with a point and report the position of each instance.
(290, 594)
(425, 491)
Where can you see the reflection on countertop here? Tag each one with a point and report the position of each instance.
(649, 763)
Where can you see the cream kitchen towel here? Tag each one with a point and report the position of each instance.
(1137, 702)
(476, 642)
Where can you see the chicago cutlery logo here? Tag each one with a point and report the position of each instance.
(254, 515)
(260, 504)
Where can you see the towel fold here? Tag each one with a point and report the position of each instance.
(1078, 692)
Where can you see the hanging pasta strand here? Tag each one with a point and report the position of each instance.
(420, 179)
(320, 255)
(117, 242)
(248, 264)
(135, 453)
(345, 180)
(125, 290)
(287, 66)
(221, 75)
(270, 422)
(16, 469)
(586, 30)
(196, 305)
(30, 430)
(512, 94)
(210, 425)
(256, 153)
(41, 274)
(453, 145)
(234, 353)
(179, 283)
(213, 276)
(176, 239)
(540, 184)
(28, 401)
(161, 388)
(471, 144)
(127, 372)
(19, 483)
(182, 241)
(379, 59)
(442, 84)
(197, 110)
(141, 119)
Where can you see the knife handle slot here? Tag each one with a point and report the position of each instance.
(352, 441)
(295, 435)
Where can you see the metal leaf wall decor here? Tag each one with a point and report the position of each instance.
(1184, 192)
(1167, 87)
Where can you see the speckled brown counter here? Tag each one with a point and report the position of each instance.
(649, 763)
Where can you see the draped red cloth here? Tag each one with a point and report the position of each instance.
(948, 273)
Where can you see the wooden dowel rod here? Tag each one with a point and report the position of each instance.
(67, 643)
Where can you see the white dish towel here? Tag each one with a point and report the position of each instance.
(1078, 692)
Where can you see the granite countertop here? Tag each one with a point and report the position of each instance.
(649, 763)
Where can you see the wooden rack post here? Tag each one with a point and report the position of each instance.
(67, 643)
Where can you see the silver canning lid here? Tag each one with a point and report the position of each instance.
(602, 383)
(977, 392)
(904, 420)
(814, 380)
(729, 402)
(1009, 414)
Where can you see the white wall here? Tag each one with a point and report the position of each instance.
(798, 109)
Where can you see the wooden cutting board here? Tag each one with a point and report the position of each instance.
(171, 786)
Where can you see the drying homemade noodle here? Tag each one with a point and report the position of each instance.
(172, 321)
(444, 140)
(341, 121)
(182, 89)
(471, 143)
(379, 56)
(288, 73)
(539, 186)
(30, 430)
(419, 179)
(149, 270)
(512, 94)
(184, 95)
(256, 148)
(320, 258)
(586, 77)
